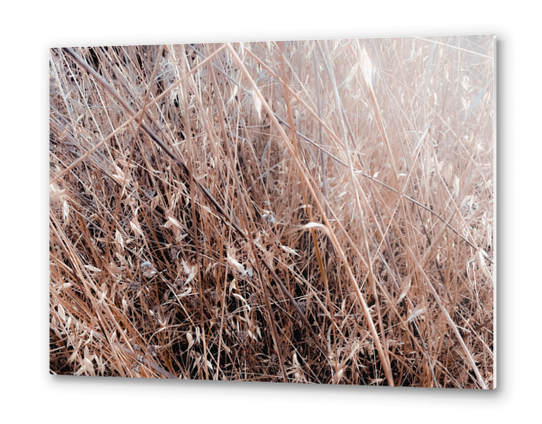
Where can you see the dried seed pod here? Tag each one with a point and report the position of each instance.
(134, 286)
(174, 254)
(193, 301)
(213, 296)
(269, 218)
(178, 284)
(148, 269)
(243, 336)
(252, 299)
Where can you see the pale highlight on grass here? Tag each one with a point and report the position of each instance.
(309, 212)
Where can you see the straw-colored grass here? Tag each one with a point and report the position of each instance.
(311, 212)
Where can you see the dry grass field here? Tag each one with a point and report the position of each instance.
(313, 212)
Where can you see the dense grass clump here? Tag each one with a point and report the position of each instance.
(311, 212)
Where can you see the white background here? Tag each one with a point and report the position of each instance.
(29, 29)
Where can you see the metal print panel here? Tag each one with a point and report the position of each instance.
(316, 212)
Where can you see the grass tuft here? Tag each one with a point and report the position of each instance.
(308, 212)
